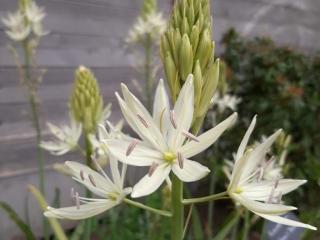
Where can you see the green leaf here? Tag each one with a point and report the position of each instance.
(227, 227)
(55, 225)
(18, 221)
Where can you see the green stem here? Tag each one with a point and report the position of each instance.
(88, 151)
(212, 187)
(36, 124)
(148, 70)
(145, 207)
(177, 209)
(246, 225)
(213, 197)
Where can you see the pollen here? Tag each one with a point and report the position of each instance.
(238, 190)
(168, 156)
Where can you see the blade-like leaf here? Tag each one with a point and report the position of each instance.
(227, 227)
(18, 221)
(55, 225)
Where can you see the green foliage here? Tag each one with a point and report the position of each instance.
(282, 86)
(18, 221)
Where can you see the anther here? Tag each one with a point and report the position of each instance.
(131, 147)
(190, 136)
(173, 119)
(180, 160)
(77, 200)
(143, 121)
(152, 168)
(81, 175)
(72, 194)
(92, 180)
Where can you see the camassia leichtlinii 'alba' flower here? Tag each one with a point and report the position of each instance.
(111, 191)
(66, 138)
(262, 197)
(166, 144)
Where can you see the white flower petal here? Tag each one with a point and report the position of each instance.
(149, 184)
(184, 114)
(103, 184)
(136, 124)
(257, 155)
(161, 108)
(141, 155)
(137, 108)
(285, 221)
(115, 173)
(206, 139)
(263, 208)
(261, 190)
(191, 171)
(85, 211)
(245, 139)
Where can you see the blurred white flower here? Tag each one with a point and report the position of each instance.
(34, 13)
(226, 101)
(262, 197)
(111, 191)
(67, 138)
(17, 27)
(153, 24)
(21, 23)
(166, 144)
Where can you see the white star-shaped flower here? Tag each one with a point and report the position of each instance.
(165, 145)
(110, 190)
(262, 197)
(17, 28)
(67, 138)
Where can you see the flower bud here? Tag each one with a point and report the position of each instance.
(211, 78)
(86, 102)
(185, 58)
(171, 72)
(197, 81)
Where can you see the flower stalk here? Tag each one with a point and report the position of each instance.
(148, 208)
(213, 197)
(177, 220)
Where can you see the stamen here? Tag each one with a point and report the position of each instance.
(279, 197)
(276, 184)
(152, 168)
(131, 147)
(77, 200)
(190, 136)
(180, 160)
(271, 195)
(143, 121)
(92, 180)
(72, 194)
(81, 175)
(261, 172)
(173, 119)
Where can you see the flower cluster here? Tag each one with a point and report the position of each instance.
(25, 21)
(166, 146)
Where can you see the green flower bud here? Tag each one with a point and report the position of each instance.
(204, 51)
(198, 82)
(171, 73)
(86, 102)
(185, 58)
(194, 38)
(210, 84)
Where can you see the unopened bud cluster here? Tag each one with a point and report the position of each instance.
(86, 102)
(187, 47)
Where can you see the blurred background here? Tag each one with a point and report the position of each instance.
(276, 76)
